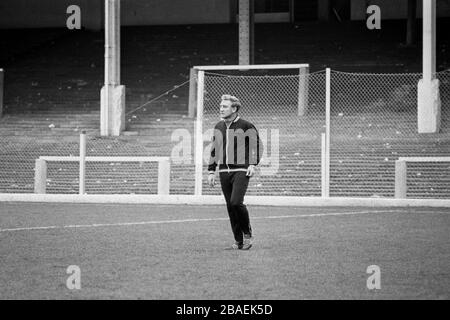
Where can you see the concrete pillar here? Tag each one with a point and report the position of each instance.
(428, 100)
(246, 32)
(112, 113)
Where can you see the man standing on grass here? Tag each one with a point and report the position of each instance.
(237, 149)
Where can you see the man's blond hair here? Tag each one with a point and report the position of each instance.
(234, 101)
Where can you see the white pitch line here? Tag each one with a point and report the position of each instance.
(97, 225)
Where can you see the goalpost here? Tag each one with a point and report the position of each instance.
(99, 169)
(287, 105)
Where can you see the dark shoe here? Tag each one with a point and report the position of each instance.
(235, 246)
(248, 242)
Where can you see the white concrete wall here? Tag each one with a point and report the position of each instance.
(52, 13)
(395, 9)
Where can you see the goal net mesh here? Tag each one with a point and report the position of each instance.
(288, 110)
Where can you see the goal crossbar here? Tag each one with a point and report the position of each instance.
(252, 67)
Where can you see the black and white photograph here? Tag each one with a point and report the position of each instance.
(224, 155)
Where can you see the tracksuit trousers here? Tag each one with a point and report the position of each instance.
(234, 186)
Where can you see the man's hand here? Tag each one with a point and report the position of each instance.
(211, 179)
(250, 170)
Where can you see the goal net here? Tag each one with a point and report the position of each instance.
(286, 103)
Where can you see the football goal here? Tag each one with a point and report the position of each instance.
(286, 104)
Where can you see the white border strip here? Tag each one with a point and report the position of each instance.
(219, 200)
(253, 66)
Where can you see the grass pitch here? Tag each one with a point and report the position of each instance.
(178, 252)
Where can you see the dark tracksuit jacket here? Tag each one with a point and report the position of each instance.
(235, 147)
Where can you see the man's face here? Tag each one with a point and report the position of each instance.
(226, 111)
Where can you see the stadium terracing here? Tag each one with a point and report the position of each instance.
(53, 79)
